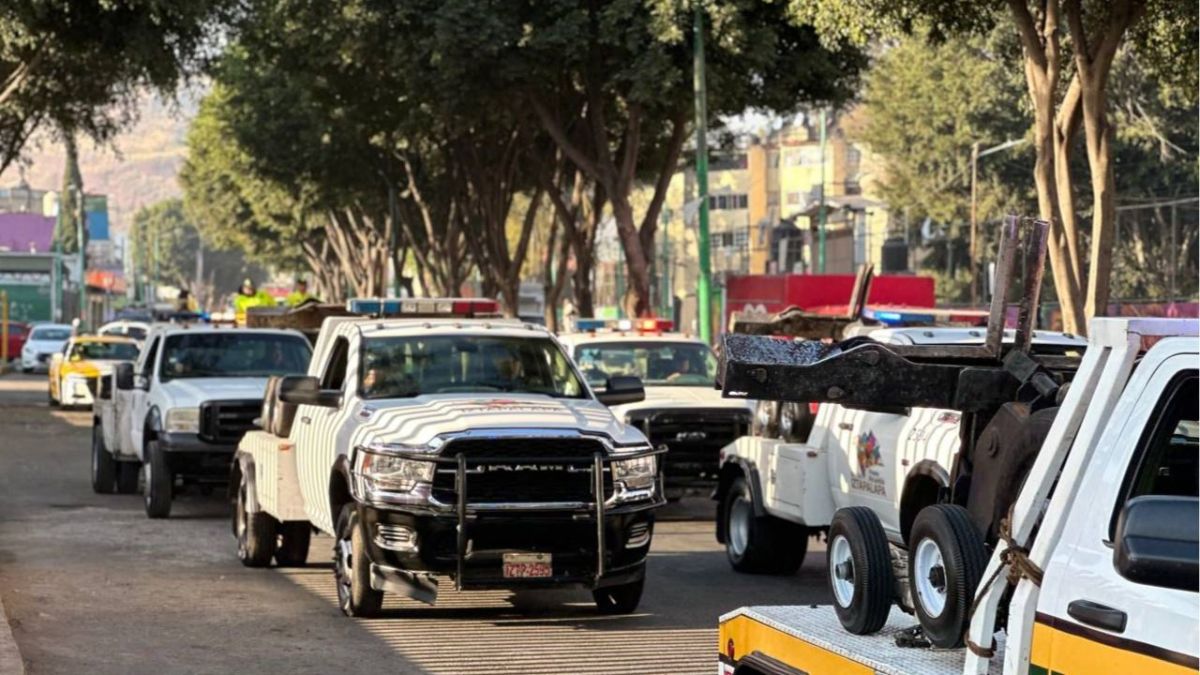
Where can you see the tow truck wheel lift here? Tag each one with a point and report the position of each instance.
(981, 381)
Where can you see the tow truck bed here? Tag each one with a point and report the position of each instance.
(812, 637)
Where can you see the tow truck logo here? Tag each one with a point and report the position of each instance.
(869, 457)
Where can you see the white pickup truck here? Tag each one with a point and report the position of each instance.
(896, 461)
(448, 446)
(1096, 570)
(683, 412)
(173, 418)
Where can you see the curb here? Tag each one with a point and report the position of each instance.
(10, 656)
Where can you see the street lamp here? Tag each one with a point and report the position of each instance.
(976, 153)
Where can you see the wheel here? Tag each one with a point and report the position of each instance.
(795, 422)
(860, 570)
(946, 559)
(50, 400)
(351, 568)
(256, 532)
(104, 468)
(294, 538)
(760, 544)
(127, 477)
(765, 422)
(621, 599)
(158, 482)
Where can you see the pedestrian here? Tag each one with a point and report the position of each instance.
(299, 294)
(249, 296)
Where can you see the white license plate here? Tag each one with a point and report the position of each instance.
(527, 565)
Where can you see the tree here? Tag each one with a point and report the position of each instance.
(80, 65)
(1068, 47)
(610, 83)
(180, 256)
(66, 226)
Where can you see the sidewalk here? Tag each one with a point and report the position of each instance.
(10, 658)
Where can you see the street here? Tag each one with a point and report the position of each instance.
(91, 585)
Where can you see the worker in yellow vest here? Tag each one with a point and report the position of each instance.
(299, 294)
(248, 296)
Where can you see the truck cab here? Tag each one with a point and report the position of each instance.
(452, 446)
(683, 412)
(1098, 569)
(173, 417)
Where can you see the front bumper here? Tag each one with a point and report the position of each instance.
(191, 457)
(35, 362)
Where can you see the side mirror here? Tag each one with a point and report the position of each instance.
(123, 375)
(1157, 542)
(622, 389)
(306, 390)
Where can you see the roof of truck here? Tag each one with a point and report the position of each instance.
(950, 336)
(395, 327)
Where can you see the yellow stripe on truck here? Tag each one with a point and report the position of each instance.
(749, 636)
(1057, 651)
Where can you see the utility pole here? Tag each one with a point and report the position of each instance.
(704, 291)
(821, 206)
(974, 225)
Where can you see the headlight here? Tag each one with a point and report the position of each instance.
(636, 474)
(385, 472)
(182, 421)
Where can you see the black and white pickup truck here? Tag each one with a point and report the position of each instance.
(453, 447)
(173, 417)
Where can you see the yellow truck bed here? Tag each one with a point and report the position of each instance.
(809, 639)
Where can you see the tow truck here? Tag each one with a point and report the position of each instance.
(1093, 562)
(683, 412)
(172, 418)
(432, 440)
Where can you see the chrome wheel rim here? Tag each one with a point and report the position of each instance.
(342, 565)
(740, 513)
(929, 576)
(147, 480)
(841, 571)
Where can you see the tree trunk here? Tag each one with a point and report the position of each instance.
(637, 293)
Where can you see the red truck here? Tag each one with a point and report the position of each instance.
(821, 293)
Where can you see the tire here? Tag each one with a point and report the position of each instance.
(860, 570)
(255, 532)
(104, 467)
(294, 538)
(765, 423)
(759, 544)
(621, 599)
(50, 400)
(128, 474)
(946, 560)
(351, 568)
(159, 482)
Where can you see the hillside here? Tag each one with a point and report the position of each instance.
(137, 169)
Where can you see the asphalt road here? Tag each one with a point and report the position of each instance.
(91, 585)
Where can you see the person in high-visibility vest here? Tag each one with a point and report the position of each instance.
(247, 297)
(299, 294)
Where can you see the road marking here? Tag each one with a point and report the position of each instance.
(478, 632)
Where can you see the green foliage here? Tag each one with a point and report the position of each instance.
(166, 244)
(81, 64)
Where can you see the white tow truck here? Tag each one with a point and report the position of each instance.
(440, 444)
(774, 493)
(174, 416)
(683, 412)
(1097, 570)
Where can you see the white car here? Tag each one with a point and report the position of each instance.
(138, 330)
(178, 412)
(449, 447)
(44, 341)
(683, 411)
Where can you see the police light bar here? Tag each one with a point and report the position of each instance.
(624, 325)
(425, 307)
(917, 316)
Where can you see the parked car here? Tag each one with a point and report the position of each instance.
(44, 340)
(18, 332)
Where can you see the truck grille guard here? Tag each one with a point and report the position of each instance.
(595, 509)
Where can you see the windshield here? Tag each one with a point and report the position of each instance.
(658, 363)
(100, 351)
(50, 334)
(241, 354)
(402, 367)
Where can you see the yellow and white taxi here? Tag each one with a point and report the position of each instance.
(75, 371)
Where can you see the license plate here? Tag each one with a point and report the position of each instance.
(527, 565)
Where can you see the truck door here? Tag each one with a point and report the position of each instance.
(1093, 617)
(131, 403)
(314, 433)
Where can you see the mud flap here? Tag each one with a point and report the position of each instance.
(403, 583)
